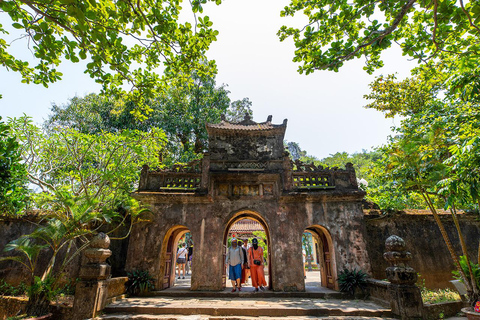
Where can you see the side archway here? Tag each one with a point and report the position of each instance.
(252, 215)
(325, 254)
(166, 276)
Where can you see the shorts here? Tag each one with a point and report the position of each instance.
(181, 260)
(235, 272)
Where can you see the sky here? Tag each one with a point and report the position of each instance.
(324, 110)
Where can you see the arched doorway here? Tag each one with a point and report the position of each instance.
(247, 216)
(173, 240)
(320, 258)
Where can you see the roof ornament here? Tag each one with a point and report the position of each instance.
(269, 118)
(222, 117)
(247, 117)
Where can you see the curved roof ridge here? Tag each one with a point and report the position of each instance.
(246, 124)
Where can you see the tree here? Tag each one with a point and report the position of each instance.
(85, 182)
(295, 151)
(93, 168)
(122, 41)
(435, 154)
(96, 113)
(237, 110)
(13, 176)
(181, 112)
(427, 31)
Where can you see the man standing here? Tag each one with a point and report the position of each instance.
(234, 260)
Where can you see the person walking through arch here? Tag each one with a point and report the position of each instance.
(256, 264)
(182, 259)
(246, 268)
(234, 261)
(243, 279)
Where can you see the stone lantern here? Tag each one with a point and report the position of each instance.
(91, 290)
(405, 297)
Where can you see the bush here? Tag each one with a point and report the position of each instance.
(439, 296)
(139, 282)
(464, 265)
(7, 289)
(350, 280)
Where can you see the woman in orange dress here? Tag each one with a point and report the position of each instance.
(256, 264)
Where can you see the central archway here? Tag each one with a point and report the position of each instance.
(252, 215)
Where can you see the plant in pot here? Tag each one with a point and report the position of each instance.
(350, 281)
(472, 312)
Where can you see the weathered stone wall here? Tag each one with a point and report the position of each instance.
(14, 273)
(11, 229)
(285, 218)
(430, 257)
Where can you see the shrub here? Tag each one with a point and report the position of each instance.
(7, 289)
(350, 280)
(464, 265)
(139, 282)
(439, 296)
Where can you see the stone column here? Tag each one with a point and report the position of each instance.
(91, 290)
(405, 297)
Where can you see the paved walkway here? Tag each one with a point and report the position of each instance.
(312, 284)
(247, 303)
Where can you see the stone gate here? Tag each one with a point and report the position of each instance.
(247, 173)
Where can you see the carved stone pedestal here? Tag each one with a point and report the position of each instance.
(406, 299)
(91, 290)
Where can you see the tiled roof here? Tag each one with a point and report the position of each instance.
(246, 225)
(247, 124)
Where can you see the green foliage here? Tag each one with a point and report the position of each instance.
(439, 296)
(464, 264)
(436, 151)
(7, 289)
(339, 30)
(122, 43)
(94, 171)
(181, 111)
(306, 243)
(85, 182)
(40, 293)
(237, 110)
(13, 176)
(350, 280)
(139, 282)
(296, 153)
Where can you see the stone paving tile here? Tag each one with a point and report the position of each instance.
(250, 303)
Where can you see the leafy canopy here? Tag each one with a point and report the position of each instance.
(13, 176)
(181, 111)
(426, 30)
(122, 42)
(97, 170)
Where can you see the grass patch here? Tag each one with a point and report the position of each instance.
(439, 296)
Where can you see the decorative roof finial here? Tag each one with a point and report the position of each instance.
(269, 118)
(222, 117)
(247, 117)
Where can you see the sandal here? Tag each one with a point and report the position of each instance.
(234, 289)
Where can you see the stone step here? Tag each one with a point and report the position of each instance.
(245, 307)
(246, 294)
(207, 317)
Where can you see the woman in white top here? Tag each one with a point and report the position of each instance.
(182, 259)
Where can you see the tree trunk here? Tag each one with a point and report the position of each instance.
(447, 240)
(453, 210)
